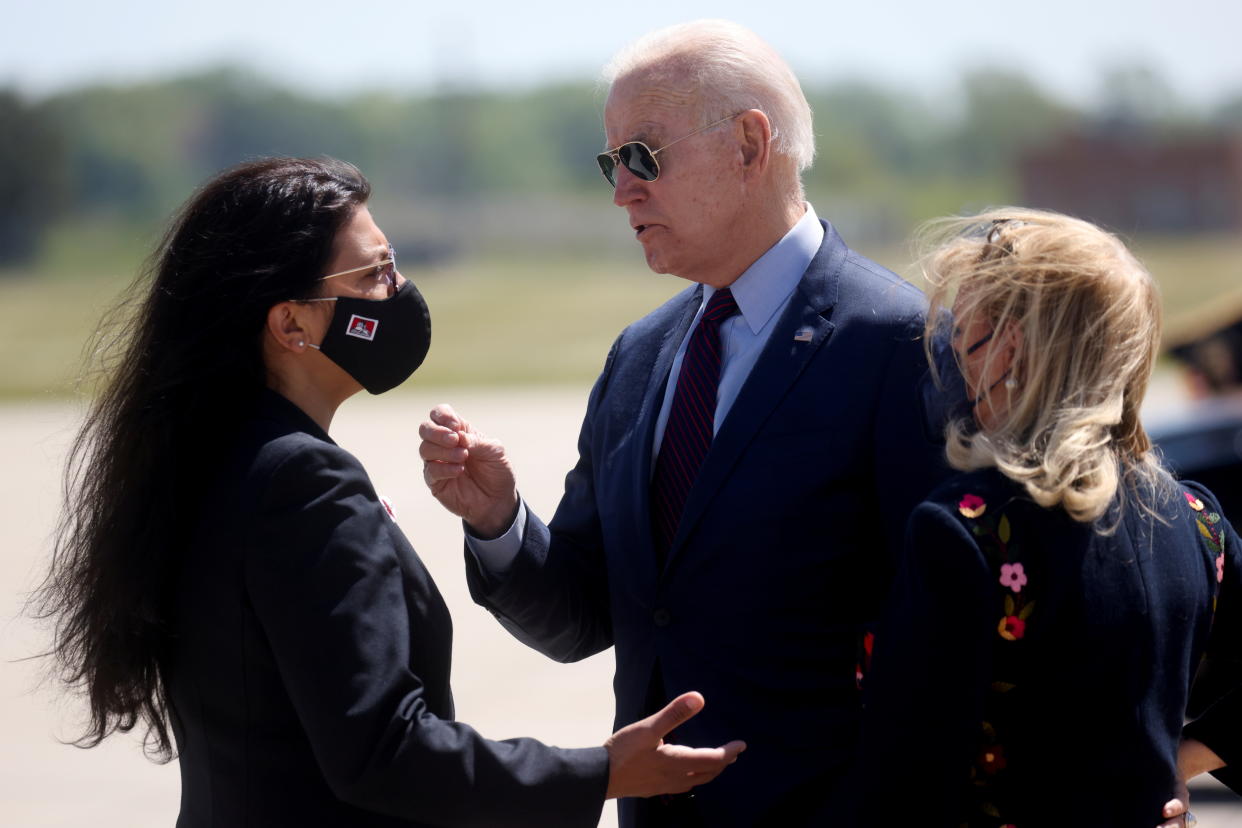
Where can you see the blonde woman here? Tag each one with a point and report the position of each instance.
(1057, 598)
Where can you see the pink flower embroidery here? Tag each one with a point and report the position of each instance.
(972, 506)
(1013, 576)
(1220, 567)
(1195, 503)
(1011, 628)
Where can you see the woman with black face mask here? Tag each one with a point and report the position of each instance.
(226, 576)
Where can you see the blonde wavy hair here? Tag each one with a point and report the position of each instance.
(1089, 317)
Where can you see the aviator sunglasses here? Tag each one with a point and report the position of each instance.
(640, 159)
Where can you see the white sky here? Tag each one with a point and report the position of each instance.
(415, 45)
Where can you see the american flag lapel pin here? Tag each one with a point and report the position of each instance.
(803, 335)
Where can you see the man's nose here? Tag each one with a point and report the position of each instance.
(630, 188)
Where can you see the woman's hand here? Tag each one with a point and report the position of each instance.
(1176, 811)
(1193, 758)
(640, 764)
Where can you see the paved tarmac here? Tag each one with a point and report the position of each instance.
(501, 687)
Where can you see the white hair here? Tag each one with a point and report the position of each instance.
(733, 70)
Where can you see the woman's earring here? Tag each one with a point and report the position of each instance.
(1011, 383)
(301, 344)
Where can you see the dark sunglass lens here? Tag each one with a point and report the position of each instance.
(608, 167)
(639, 160)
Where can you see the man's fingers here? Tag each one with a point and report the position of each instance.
(434, 473)
(430, 432)
(433, 453)
(446, 438)
(444, 415)
(675, 713)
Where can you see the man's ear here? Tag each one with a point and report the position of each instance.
(285, 326)
(756, 140)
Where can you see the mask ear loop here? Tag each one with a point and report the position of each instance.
(1009, 382)
(984, 340)
(320, 299)
(994, 246)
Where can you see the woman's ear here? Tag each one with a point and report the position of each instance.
(285, 326)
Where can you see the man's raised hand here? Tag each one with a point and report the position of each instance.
(467, 472)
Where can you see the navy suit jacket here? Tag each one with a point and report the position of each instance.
(785, 546)
(308, 672)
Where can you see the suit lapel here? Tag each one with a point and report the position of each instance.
(782, 361)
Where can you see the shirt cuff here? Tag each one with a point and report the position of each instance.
(497, 554)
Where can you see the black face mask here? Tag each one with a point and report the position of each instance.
(379, 342)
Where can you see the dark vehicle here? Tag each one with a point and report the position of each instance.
(1205, 445)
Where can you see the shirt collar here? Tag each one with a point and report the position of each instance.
(764, 286)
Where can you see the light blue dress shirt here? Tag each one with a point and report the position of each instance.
(761, 292)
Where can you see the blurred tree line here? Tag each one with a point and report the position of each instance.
(135, 152)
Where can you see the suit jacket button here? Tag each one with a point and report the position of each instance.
(661, 617)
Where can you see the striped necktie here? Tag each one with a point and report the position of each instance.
(688, 433)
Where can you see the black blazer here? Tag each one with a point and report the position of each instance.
(309, 669)
(782, 553)
(1084, 700)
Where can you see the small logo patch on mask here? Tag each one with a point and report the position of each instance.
(362, 327)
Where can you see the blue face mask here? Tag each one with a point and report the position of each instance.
(378, 342)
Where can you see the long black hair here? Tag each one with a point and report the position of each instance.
(183, 361)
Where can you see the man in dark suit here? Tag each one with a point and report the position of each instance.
(749, 454)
